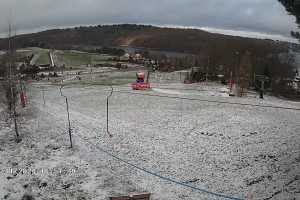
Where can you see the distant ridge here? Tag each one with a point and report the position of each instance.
(145, 36)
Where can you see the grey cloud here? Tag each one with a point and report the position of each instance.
(267, 16)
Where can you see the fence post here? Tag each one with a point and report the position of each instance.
(107, 111)
(69, 122)
(43, 93)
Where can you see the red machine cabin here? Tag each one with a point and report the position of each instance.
(140, 82)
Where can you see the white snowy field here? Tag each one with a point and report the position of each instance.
(241, 151)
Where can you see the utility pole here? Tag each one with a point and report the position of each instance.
(62, 70)
(207, 68)
(231, 82)
(107, 111)
(91, 69)
(43, 94)
(262, 89)
(148, 69)
(68, 115)
(237, 74)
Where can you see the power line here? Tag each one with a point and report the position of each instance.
(155, 174)
(151, 172)
(158, 175)
(171, 88)
(210, 101)
(201, 100)
(170, 179)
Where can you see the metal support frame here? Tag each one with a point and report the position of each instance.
(69, 122)
(107, 111)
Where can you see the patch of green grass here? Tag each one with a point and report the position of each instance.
(43, 58)
(76, 59)
(81, 58)
(97, 58)
(105, 81)
(38, 50)
(43, 55)
(71, 58)
(87, 83)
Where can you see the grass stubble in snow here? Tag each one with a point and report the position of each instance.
(247, 152)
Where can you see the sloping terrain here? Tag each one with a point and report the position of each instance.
(242, 151)
(171, 39)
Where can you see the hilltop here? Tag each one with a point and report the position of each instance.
(150, 37)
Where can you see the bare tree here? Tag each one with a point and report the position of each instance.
(10, 82)
(245, 70)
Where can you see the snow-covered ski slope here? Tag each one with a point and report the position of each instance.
(241, 151)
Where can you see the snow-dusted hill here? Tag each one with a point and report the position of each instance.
(241, 151)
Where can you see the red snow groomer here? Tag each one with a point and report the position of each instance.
(140, 82)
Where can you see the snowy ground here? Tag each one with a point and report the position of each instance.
(242, 151)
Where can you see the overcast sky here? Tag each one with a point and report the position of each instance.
(260, 18)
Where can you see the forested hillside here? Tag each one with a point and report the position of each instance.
(180, 40)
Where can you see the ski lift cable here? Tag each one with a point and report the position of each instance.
(150, 172)
(210, 101)
(171, 180)
(158, 175)
(171, 88)
(201, 100)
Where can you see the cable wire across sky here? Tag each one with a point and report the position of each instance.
(150, 172)
(206, 100)
(197, 99)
